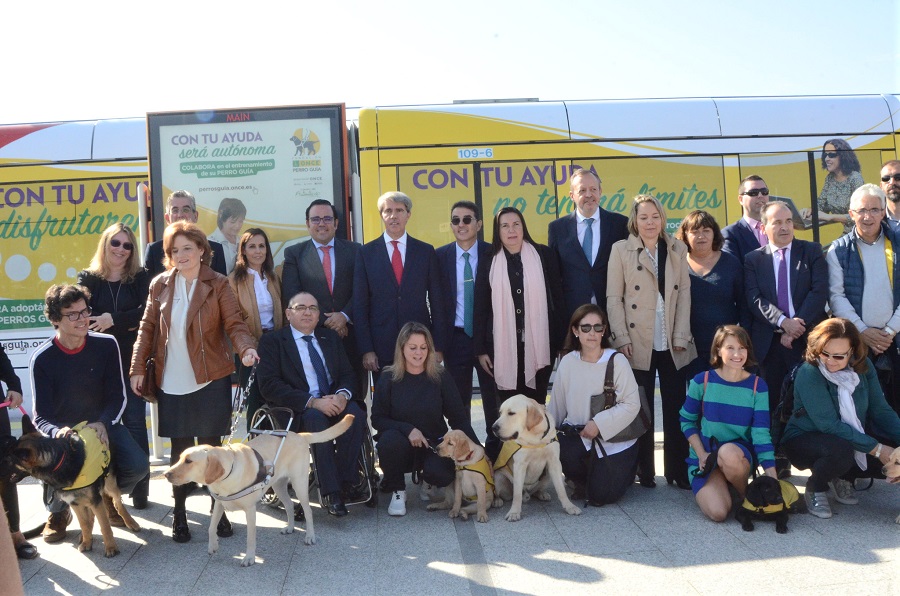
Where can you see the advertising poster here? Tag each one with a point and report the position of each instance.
(265, 165)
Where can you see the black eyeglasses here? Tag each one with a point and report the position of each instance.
(304, 308)
(318, 220)
(835, 357)
(831, 155)
(596, 327)
(466, 219)
(887, 178)
(756, 192)
(74, 316)
(117, 243)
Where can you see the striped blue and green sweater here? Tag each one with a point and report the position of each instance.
(731, 411)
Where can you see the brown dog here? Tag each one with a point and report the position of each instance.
(474, 478)
(60, 464)
(229, 470)
(892, 471)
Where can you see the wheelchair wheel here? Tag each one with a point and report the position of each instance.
(270, 499)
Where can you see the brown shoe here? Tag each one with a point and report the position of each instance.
(115, 520)
(55, 529)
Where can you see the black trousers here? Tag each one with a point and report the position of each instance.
(459, 360)
(335, 460)
(607, 479)
(398, 457)
(671, 391)
(829, 457)
(890, 379)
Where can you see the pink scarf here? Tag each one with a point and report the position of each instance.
(537, 339)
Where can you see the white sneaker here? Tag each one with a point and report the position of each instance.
(397, 506)
(844, 492)
(425, 490)
(817, 504)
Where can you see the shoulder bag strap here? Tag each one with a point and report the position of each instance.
(609, 384)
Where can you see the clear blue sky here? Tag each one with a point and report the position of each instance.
(101, 59)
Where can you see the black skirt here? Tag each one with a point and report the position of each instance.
(203, 413)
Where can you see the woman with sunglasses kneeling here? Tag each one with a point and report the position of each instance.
(841, 427)
(581, 375)
(726, 421)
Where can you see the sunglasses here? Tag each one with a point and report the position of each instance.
(596, 327)
(117, 243)
(831, 155)
(887, 178)
(836, 357)
(756, 192)
(466, 219)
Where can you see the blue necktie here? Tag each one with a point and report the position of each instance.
(468, 297)
(587, 244)
(318, 366)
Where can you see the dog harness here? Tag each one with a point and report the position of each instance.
(510, 448)
(483, 467)
(789, 496)
(96, 457)
(263, 478)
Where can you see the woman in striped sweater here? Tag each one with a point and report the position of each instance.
(728, 408)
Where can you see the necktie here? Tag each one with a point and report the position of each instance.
(761, 234)
(784, 302)
(468, 296)
(326, 264)
(397, 262)
(587, 244)
(318, 366)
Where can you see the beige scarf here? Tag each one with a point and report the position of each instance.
(537, 338)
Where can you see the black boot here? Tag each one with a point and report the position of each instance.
(223, 529)
(140, 492)
(180, 530)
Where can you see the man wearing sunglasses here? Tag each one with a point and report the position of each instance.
(77, 376)
(583, 240)
(180, 206)
(787, 288)
(747, 233)
(458, 264)
(860, 279)
(890, 184)
(323, 266)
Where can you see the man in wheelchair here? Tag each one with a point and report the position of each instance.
(305, 368)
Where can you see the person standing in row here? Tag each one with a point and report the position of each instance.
(180, 206)
(582, 242)
(747, 233)
(518, 305)
(118, 286)
(458, 263)
(649, 301)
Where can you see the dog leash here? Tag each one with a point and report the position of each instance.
(7, 403)
(238, 403)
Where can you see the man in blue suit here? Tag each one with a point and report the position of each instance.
(180, 206)
(787, 288)
(458, 262)
(395, 281)
(582, 242)
(747, 233)
(303, 366)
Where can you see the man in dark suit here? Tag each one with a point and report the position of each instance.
(787, 288)
(458, 263)
(395, 281)
(323, 266)
(582, 242)
(747, 233)
(303, 367)
(180, 206)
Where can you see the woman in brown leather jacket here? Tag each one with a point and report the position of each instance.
(190, 312)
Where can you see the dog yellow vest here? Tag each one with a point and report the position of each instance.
(483, 467)
(510, 448)
(789, 494)
(96, 457)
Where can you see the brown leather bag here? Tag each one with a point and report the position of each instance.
(607, 399)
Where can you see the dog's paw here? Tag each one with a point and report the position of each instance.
(498, 502)
(572, 509)
(287, 530)
(111, 551)
(85, 546)
(781, 529)
(310, 539)
(526, 496)
(464, 515)
(134, 527)
(213, 547)
(454, 513)
(434, 507)
(482, 518)
(542, 495)
(248, 560)
(514, 516)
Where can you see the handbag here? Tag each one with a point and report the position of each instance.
(149, 388)
(607, 400)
